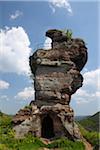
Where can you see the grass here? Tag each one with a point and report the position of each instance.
(91, 123)
(8, 142)
(92, 137)
(28, 107)
(90, 129)
(66, 144)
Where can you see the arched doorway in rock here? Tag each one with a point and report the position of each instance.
(47, 127)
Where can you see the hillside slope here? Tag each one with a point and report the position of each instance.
(91, 123)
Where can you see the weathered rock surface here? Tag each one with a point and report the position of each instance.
(62, 117)
(56, 77)
(57, 71)
(22, 115)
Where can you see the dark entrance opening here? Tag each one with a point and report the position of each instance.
(47, 127)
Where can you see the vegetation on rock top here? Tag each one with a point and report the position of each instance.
(68, 33)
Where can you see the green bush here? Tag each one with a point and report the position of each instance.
(1, 114)
(91, 123)
(91, 137)
(8, 142)
(68, 33)
(66, 144)
(28, 107)
(5, 121)
(3, 147)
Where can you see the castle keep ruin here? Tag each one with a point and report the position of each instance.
(56, 77)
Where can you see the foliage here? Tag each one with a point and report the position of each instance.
(67, 144)
(8, 142)
(3, 147)
(1, 114)
(68, 33)
(5, 124)
(91, 123)
(28, 107)
(92, 137)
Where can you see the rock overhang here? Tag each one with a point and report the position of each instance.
(56, 77)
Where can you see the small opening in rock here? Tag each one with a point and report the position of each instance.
(47, 127)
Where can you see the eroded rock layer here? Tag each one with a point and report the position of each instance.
(57, 71)
(56, 77)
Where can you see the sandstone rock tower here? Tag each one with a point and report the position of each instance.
(56, 77)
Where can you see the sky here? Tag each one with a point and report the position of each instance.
(22, 31)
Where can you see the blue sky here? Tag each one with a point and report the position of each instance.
(23, 26)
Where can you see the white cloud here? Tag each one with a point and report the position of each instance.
(53, 8)
(4, 97)
(16, 14)
(47, 43)
(26, 94)
(97, 94)
(4, 85)
(85, 70)
(91, 88)
(14, 51)
(92, 77)
(60, 4)
(83, 96)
